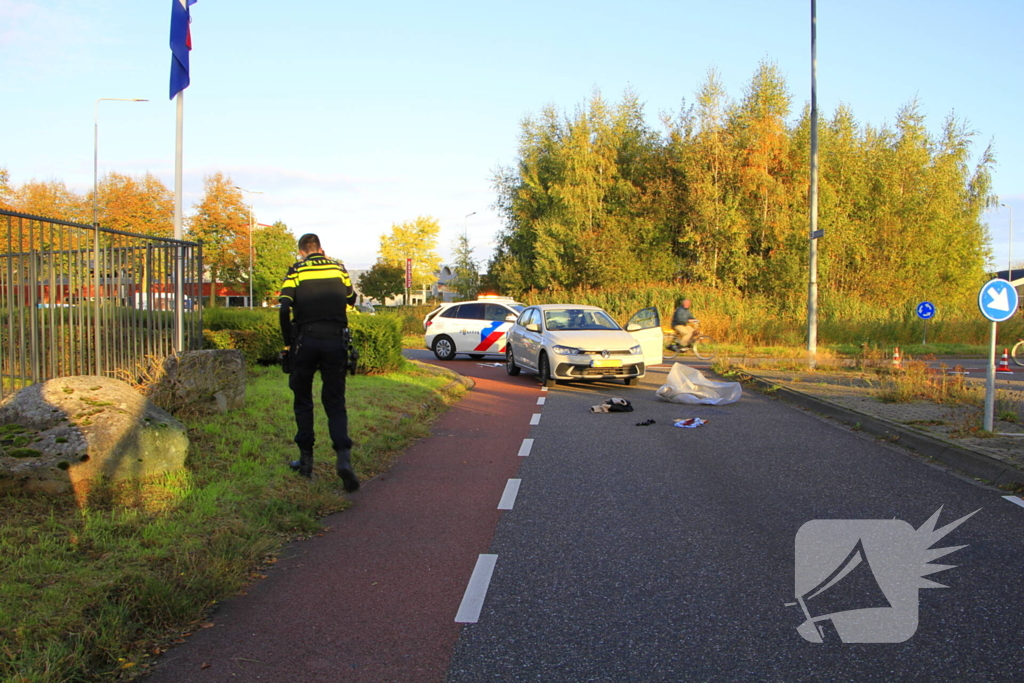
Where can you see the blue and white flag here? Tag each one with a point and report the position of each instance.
(181, 43)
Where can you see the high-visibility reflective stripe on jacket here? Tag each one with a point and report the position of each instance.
(317, 288)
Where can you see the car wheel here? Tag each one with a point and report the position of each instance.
(544, 370)
(510, 362)
(444, 348)
(476, 356)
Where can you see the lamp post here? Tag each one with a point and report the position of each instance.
(474, 285)
(1009, 247)
(251, 193)
(812, 258)
(96, 219)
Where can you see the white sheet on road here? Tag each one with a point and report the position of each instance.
(687, 385)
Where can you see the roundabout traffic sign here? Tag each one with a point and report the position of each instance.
(997, 300)
(926, 310)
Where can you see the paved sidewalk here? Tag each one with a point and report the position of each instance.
(999, 458)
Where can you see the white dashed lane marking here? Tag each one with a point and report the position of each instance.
(535, 420)
(543, 388)
(527, 446)
(508, 498)
(476, 590)
(541, 400)
(1015, 500)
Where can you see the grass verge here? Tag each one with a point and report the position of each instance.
(413, 341)
(91, 593)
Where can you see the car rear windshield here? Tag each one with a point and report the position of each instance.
(578, 319)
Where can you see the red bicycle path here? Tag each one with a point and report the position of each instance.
(374, 597)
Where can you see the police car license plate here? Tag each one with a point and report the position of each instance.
(606, 363)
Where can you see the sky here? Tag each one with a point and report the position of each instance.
(344, 118)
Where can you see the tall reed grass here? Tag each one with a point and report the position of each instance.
(757, 320)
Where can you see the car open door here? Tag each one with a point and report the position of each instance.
(645, 326)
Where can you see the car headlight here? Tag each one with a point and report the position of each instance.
(566, 350)
(636, 350)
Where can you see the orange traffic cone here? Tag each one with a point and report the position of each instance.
(1004, 364)
(897, 362)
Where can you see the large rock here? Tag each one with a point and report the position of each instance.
(67, 432)
(211, 380)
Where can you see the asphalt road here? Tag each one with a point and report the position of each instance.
(664, 554)
(627, 554)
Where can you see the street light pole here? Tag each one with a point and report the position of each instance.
(251, 193)
(474, 283)
(812, 280)
(98, 365)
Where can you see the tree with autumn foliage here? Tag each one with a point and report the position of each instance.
(274, 247)
(597, 200)
(221, 222)
(142, 205)
(51, 199)
(416, 240)
(6, 194)
(580, 205)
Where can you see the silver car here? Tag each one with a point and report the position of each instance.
(575, 342)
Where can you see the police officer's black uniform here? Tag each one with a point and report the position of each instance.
(317, 291)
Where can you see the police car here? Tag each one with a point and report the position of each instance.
(476, 328)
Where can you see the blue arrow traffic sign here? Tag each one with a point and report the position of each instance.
(997, 300)
(926, 310)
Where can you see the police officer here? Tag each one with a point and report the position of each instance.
(314, 324)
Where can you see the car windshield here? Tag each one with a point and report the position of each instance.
(578, 319)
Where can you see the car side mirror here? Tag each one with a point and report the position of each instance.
(632, 327)
(511, 318)
(533, 327)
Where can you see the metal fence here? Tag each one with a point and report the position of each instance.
(80, 300)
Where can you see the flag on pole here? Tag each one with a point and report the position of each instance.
(181, 43)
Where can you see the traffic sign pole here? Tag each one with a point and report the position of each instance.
(997, 301)
(990, 381)
(925, 311)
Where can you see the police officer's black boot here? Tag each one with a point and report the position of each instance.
(345, 471)
(304, 465)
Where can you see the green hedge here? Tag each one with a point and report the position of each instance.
(257, 334)
(410, 318)
(378, 339)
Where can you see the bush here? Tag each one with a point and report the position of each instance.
(255, 332)
(217, 339)
(410, 318)
(378, 338)
(237, 318)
